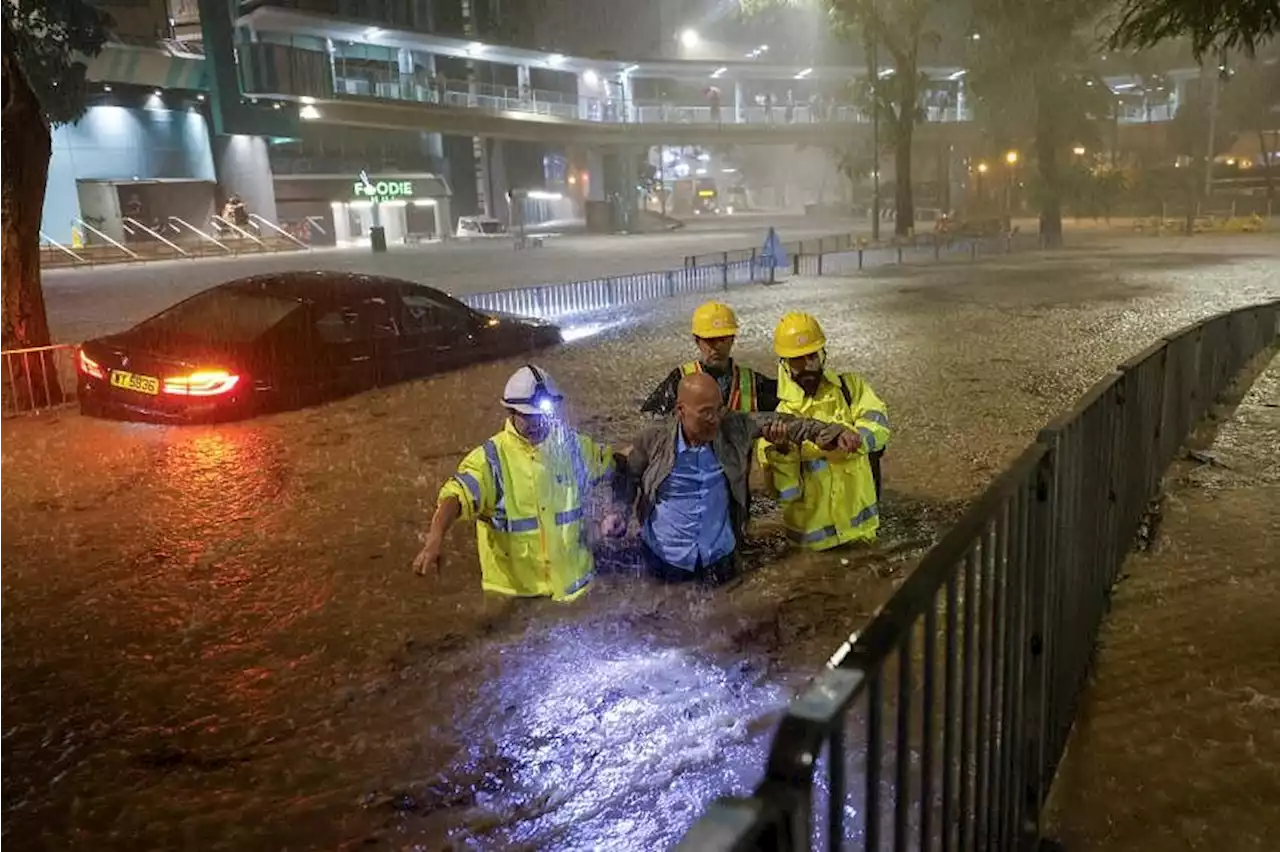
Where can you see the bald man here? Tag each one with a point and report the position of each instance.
(688, 479)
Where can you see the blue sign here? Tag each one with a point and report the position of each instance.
(774, 255)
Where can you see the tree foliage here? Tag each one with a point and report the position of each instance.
(1032, 78)
(1211, 25)
(45, 41)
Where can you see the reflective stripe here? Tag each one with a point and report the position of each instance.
(514, 526)
(744, 395)
(569, 517)
(500, 498)
(826, 532)
(789, 493)
(865, 515)
(868, 438)
(577, 584)
(811, 537)
(471, 485)
(691, 367)
(875, 417)
(814, 465)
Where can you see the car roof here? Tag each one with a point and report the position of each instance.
(320, 286)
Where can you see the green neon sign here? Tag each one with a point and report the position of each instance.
(382, 191)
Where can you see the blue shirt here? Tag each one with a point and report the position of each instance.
(690, 520)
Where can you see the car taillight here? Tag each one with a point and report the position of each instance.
(88, 366)
(201, 383)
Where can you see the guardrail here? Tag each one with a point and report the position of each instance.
(724, 270)
(942, 722)
(38, 378)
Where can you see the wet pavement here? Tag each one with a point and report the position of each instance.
(213, 639)
(1177, 745)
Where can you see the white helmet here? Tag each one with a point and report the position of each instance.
(530, 390)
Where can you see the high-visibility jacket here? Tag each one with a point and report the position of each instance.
(743, 395)
(528, 502)
(828, 498)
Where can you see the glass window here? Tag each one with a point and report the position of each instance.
(425, 313)
(369, 319)
(222, 314)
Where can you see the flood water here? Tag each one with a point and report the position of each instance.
(213, 639)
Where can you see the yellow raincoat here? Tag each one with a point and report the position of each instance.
(528, 502)
(828, 498)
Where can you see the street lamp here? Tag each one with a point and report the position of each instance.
(982, 168)
(689, 38)
(1078, 150)
(1011, 158)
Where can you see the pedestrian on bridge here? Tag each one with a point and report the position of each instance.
(528, 489)
(715, 328)
(828, 498)
(688, 479)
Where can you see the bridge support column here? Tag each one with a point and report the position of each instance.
(621, 177)
(522, 83)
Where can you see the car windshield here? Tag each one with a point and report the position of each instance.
(221, 314)
(492, 226)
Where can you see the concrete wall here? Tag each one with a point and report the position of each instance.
(122, 143)
(245, 170)
(100, 207)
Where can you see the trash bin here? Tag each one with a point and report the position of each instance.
(378, 238)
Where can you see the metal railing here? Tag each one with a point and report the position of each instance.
(940, 725)
(831, 255)
(38, 378)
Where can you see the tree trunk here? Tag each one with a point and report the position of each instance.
(31, 381)
(904, 221)
(1047, 144)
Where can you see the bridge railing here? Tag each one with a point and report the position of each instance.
(942, 722)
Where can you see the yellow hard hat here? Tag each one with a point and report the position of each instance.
(798, 334)
(715, 319)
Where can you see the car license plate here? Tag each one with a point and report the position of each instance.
(134, 382)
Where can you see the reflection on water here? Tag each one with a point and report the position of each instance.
(610, 740)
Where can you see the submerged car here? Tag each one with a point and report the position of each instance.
(287, 340)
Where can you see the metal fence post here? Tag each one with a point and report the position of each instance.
(1040, 578)
(671, 284)
(899, 255)
(820, 256)
(795, 264)
(724, 270)
(859, 260)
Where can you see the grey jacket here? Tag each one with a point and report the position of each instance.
(653, 457)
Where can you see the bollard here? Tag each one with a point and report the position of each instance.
(724, 271)
(937, 249)
(899, 255)
(973, 250)
(795, 264)
(859, 260)
(820, 256)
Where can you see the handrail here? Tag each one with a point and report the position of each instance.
(980, 656)
(201, 233)
(51, 241)
(127, 251)
(173, 246)
(241, 231)
(273, 226)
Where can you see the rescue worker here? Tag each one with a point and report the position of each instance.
(715, 327)
(827, 498)
(691, 479)
(527, 490)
